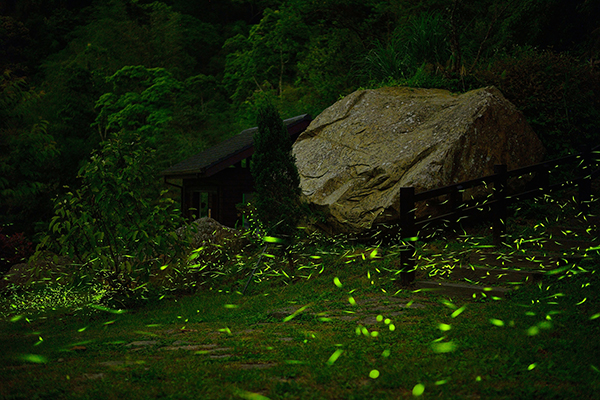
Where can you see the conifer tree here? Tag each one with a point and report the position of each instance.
(276, 178)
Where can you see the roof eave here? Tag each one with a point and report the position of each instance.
(232, 158)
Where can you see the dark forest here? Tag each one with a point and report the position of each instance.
(187, 74)
(97, 97)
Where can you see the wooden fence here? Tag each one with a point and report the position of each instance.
(584, 168)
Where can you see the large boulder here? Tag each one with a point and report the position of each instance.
(357, 154)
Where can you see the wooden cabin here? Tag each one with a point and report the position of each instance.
(214, 181)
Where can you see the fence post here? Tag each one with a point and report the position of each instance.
(542, 178)
(408, 231)
(585, 182)
(499, 210)
(456, 199)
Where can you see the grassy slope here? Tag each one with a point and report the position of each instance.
(538, 343)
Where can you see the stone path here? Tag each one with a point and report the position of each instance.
(365, 313)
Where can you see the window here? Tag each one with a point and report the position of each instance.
(199, 208)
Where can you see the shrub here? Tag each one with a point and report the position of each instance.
(275, 174)
(559, 95)
(118, 221)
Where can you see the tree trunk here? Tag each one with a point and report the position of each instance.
(455, 40)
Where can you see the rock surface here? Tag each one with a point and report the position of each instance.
(19, 274)
(47, 268)
(206, 231)
(355, 156)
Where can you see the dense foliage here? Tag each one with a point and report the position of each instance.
(98, 96)
(28, 154)
(83, 80)
(117, 223)
(276, 178)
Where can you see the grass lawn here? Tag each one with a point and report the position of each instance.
(334, 330)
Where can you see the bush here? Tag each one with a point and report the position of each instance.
(118, 222)
(559, 95)
(275, 175)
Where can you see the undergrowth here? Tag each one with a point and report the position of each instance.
(337, 325)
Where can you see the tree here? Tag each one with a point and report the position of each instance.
(118, 223)
(166, 113)
(121, 33)
(276, 177)
(28, 154)
(267, 58)
(422, 40)
(14, 38)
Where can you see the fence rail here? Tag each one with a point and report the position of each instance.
(494, 207)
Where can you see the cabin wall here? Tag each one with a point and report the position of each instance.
(219, 193)
(225, 189)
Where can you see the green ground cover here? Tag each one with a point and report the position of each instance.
(339, 326)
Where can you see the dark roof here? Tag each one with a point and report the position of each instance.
(239, 143)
